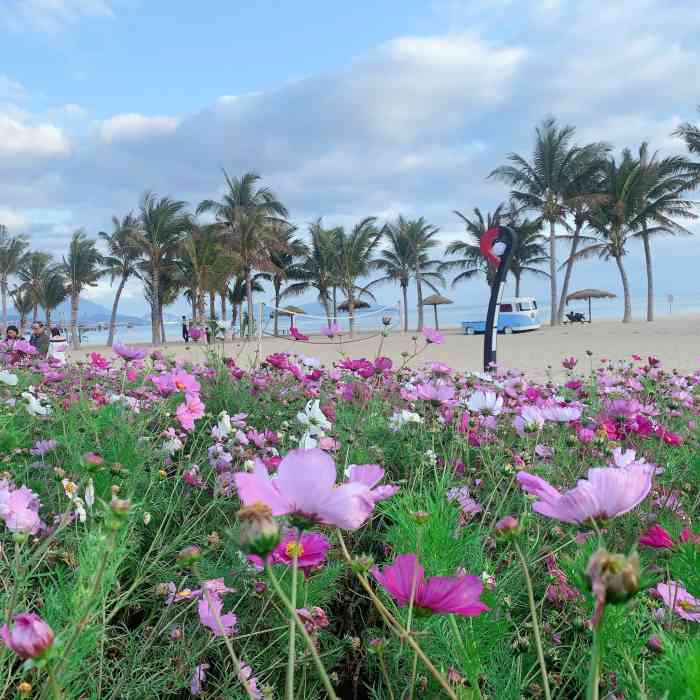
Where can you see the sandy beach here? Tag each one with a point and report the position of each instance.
(675, 340)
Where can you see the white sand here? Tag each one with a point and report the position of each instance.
(675, 340)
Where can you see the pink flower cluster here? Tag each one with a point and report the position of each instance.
(19, 508)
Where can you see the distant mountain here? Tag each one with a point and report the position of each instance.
(89, 312)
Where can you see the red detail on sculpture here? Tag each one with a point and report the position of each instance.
(486, 245)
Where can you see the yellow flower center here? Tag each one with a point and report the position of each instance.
(184, 593)
(293, 548)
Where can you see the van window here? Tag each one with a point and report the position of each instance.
(524, 306)
(506, 308)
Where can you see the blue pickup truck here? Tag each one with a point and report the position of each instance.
(515, 315)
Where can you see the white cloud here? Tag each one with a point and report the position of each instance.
(21, 140)
(135, 127)
(14, 221)
(52, 15)
(11, 90)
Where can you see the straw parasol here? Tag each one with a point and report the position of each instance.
(359, 304)
(291, 311)
(436, 300)
(590, 294)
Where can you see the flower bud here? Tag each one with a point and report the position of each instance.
(24, 689)
(28, 636)
(362, 564)
(654, 643)
(507, 526)
(260, 533)
(613, 578)
(189, 555)
(420, 517)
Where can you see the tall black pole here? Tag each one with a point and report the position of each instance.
(507, 237)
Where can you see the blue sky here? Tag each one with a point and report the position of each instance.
(346, 109)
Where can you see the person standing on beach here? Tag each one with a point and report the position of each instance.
(39, 338)
(185, 330)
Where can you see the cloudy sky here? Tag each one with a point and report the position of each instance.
(346, 110)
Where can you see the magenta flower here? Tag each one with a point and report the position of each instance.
(99, 361)
(370, 475)
(656, 537)
(679, 600)
(28, 636)
(311, 549)
(43, 447)
(208, 615)
(189, 411)
(128, 353)
(297, 335)
(196, 333)
(23, 346)
(569, 362)
(305, 486)
(93, 458)
(331, 330)
(442, 594)
(606, 493)
(433, 336)
(19, 508)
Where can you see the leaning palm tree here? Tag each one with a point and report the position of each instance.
(248, 216)
(23, 301)
(355, 251)
(161, 226)
(82, 269)
(53, 291)
(664, 182)
(616, 220)
(120, 261)
(548, 182)
(30, 275)
(13, 250)
(471, 260)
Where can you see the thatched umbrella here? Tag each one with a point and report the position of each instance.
(291, 311)
(436, 300)
(359, 304)
(590, 294)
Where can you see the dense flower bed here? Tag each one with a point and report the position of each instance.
(437, 533)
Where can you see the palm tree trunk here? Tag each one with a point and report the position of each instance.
(155, 305)
(162, 325)
(419, 293)
(567, 274)
(553, 317)
(404, 291)
(3, 294)
(113, 317)
(212, 305)
(222, 299)
(48, 318)
(277, 285)
(35, 313)
(650, 275)
(74, 303)
(326, 307)
(517, 284)
(234, 317)
(335, 304)
(194, 306)
(249, 297)
(626, 290)
(351, 313)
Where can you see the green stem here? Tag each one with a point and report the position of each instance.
(304, 633)
(535, 622)
(18, 583)
(474, 676)
(291, 653)
(385, 673)
(593, 692)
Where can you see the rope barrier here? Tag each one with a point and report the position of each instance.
(317, 342)
(284, 312)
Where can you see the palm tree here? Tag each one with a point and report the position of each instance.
(690, 133)
(82, 269)
(248, 216)
(33, 270)
(120, 261)
(23, 301)
(664, 182)
(200, 251)
(319, 268)
(162, 225)
(406, 258)
(472, 261)
(529, 251)
(548, 183)
(286, 259)
(13, 250)
(236, 294)
(617, 218)
(355, 261)
(53, 291)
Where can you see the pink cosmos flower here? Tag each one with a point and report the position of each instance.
(208, 615)
(305, 485)
(432, 336)
(311, 549)
(185, 382)
(561, 414)
(93, 458)
(19, 508)
(129, 352)
(606, 493)
(370, 475)
(297, 335)
(442, 594)
(43, 447)
(314, 619)
(24, 346)
(198, 679)
(679, 600)
(569, 362)
(189, 411)
(435, 393)
(28, 636)
(331, 330)
(657, 537)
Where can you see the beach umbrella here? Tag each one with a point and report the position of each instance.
(436, 300)
(590, 294)
(359, 304)
(291, 311)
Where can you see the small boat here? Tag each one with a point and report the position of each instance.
(514, 315)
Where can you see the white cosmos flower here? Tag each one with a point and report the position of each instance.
(487, 402)
(90, 494)
(34, 406)
(312, 362)
(401, 418)
(224, 425)
(8, 378)
(306, 442)
(313, 418)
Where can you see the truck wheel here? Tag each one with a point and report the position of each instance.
(508, 330)
(469, 330)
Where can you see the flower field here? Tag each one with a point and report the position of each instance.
(362, 530)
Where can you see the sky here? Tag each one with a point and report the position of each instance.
(345, 109)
